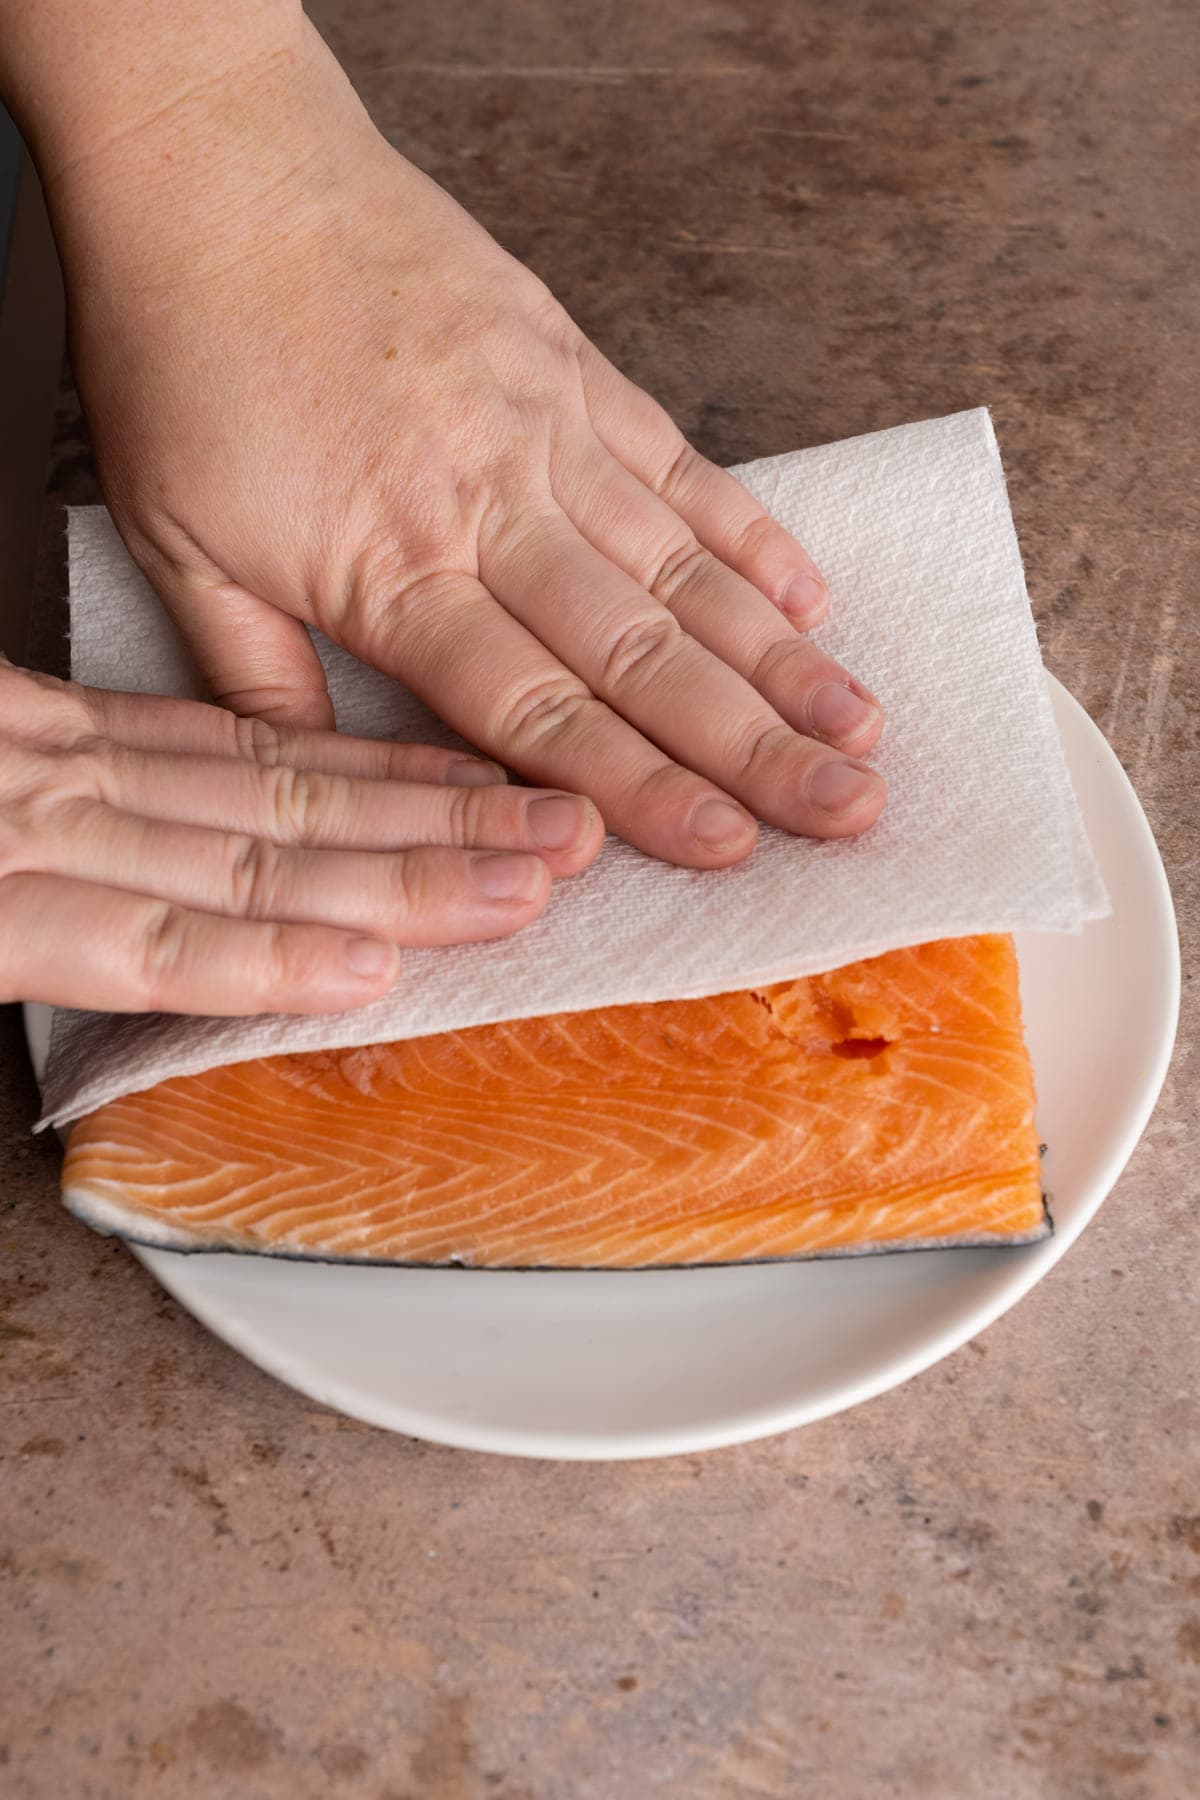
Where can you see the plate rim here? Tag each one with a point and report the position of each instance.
(744, 1426)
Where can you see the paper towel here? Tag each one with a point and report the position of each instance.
(981, 832)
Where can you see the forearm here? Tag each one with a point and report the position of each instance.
(147, 117)
(79, 79)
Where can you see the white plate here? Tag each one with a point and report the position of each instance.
(579, 1365)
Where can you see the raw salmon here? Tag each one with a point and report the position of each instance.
(887, 1105)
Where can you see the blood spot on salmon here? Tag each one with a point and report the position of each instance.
(861, 1047)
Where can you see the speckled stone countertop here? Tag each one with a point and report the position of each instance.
(792, 222)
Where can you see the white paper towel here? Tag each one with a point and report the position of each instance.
(981, 832)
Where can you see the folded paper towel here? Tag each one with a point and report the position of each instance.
(981, 832)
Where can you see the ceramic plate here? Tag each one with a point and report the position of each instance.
(650, 1363)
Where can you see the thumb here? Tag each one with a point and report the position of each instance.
(257, 661)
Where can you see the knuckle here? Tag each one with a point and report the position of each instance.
(640, 651)
(281, 959)
(553, 380)
(466, 810)
(523, 521)
(253, 874)
(543, 713)
(557, 327)
(164, 953)
(42, 803)
(414, 763)
(52, 711)
(284, 960)
(776, 665)
(431, 591)
(92, 712)
(299, 800)
(410, 881)
(754, 535)
(256, 740)
(676, 566)
(90, 768)
(763, 750)
(678, 466)
(84, 705)
(392, 601)
(524, 429)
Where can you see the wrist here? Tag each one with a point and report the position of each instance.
(199, 132)
(80, 80)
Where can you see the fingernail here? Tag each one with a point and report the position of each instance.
(474, 772)
(806, 598)
(557, 821)
(838, 713)
(370, 957)
(718, 824)
(508, 875)
(837, 787)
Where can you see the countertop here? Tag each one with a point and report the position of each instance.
(791, 223)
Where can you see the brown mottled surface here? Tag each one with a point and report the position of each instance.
(792, 222)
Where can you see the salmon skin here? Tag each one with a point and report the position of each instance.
(888, 1105)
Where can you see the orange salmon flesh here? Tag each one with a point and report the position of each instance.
(887, 1105)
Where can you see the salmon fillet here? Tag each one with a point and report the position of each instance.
(887, 1105)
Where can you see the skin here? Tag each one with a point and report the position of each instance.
(166, 855)
(320, 394)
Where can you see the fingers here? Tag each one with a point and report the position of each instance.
(716, 606)
(413, 898)
(304, 807)
(723, 516)
(72, 943)
(148, 723)
(634, 655)
(255, 659)
(493, 681)
(62, 715)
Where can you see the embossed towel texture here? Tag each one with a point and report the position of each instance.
(981, 833)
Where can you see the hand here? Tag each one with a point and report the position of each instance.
(166, 856)
(321, 394)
